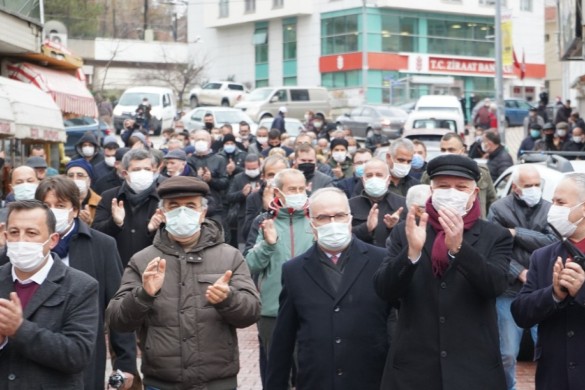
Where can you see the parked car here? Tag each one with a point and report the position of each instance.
(265, 102)
(162, 102)
(193, 120)
(449, 120)
(447, 103)
(363, 119)
(408, 106)
(515, 110)
(293, 126)
(217, 93)
(77, 127)
(430, 137)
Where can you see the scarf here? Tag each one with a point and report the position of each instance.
(137, 200)
(439, 255)
(62, 248)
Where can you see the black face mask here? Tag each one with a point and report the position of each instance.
(548, 137)
(208, 126)
(308, 170)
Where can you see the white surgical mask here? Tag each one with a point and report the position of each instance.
(295, 201)
(352, 149)
(182, 222)
(339, 156)
(110, 160)
(25, 191)
(484, 146)
(82, 185)
(561, 133)
(317, 124)
(558, 216)
(140, 180)
(450, 198)
(376, 186)
(26, 256)
(201, 146)
(88, 151)
(334, 236)
(62, 217)
(262, 140)
(577, 139)
(229, 148)
(252, 173)
(400, 170)
(531, 196)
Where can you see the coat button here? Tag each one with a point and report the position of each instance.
(443, 285)
(443, 354)
(339, 371)
(132, 231)
(337, 340)
(570, 334)
(442, 320)
(11, 377)
(184, 339)
(336, 309)
(182, 311)
(572, 365)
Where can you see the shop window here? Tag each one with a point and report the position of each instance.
(342, 79)
(261, 83)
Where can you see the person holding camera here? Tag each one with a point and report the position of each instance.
(553, 296)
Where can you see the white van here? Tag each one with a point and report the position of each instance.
(439, 103)
(162, 101)
(435, 120)
(265, 102)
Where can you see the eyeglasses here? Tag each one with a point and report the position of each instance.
(79, 175)
(339, 217)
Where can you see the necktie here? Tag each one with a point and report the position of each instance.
(334, 259)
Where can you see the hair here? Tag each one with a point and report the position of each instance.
(201, 131)
(251, 158)
(327, 191)
(303, 148)
(244, 123)
(228, 126)
(579, 180)
(377, 161)
(112, 145)
(493, 136)
(515, 177)
(303, 135)
(418, 194)
(282, 175)
(337, 134)
(362, 151)
(278, 150)
(21, 205)
(273, 160)
(403, 143)
(419, 142)
(137, 155)
(158, 156)
(274, 134)
(261, 128)
(37, 147)
(64, 189)
(208, 114)
(450, 136)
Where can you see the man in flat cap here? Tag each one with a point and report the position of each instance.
(445, 272)
(185, 295)
(176, 164)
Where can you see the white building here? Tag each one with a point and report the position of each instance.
(413, 48)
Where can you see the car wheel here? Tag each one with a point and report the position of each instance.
(265, 116)
(194, 102)
(225, 103)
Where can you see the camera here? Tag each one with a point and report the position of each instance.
(116, 380)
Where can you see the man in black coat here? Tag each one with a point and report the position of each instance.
(498, 158)
(329, 309)
(278, 122)
(376, 211)
(129, 213)
(114, 177)
(553, 296)
(347, 185)
(106, 166)
(446, 277)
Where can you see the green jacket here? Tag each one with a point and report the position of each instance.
(294, 237)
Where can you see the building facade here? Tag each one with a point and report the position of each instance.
(388, 51)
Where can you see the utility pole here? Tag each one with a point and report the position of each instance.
(145, 27)
(499, 72)
(365, 50)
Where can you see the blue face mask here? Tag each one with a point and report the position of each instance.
(229, 148)
(417, 161)
(359, 170)
(182, 222)
(535, 133)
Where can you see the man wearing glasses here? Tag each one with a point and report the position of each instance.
(328, 307)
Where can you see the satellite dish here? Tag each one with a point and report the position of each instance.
(55, 31)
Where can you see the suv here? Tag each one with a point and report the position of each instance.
(217, 93)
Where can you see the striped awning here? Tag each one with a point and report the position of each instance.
(68, 91)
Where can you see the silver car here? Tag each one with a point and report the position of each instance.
(193, 120)
(364, 119)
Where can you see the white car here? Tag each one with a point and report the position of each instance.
(193, 120)
(435, 119)
(217, 93)
(293, 126)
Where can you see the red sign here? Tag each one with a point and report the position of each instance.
(461, 65)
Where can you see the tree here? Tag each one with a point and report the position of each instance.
(82, 18)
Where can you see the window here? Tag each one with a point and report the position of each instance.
(260, 40)
(261, 83)
(289, 41)
(342, 79)
(526, 5)
(491, 2)
(277, 3)
(282, 95)
(250, 6)
(299, 95)
(235, 87)
(356, 111)
(289, 80)
(339, 34)
(224, 8)
(212, 86)
(399, 33)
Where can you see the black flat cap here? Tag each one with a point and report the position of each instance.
(453, 165)
(36, 162)
(181, 186)
(338, 141)
(176, 154)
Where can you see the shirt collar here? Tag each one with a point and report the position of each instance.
(40, 276)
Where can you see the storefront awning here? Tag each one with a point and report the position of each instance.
(7, 126)
(34, 114)
(70, 93)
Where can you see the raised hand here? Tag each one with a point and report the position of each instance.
(559, 291)
(10, 315)
(572, 277)
(118, 212)
(154, 276)
(269, 231)
(85, 215)
(452, 224)
(415, 234)
(220, 290)
(206, 175)
(390, 220)
(247, 189)
(337, 171)
(230, 167)
(157, 218)
(372, 220)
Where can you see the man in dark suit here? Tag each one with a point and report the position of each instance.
(553, 296)
(329, 309)
(446, 280)
(48, 311)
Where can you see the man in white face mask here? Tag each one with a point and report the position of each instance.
(328, 299)
(446, 271)
(524, 214)
(285, 232)
(48, 312)
(399, 159)
(553, 296)
(122, 211)
(23, 183)
(188, 271)
(88, 148)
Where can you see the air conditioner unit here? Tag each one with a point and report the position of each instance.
(58, 38)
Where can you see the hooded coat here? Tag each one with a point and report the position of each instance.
(97, 157)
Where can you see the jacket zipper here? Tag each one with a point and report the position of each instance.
(292, 235)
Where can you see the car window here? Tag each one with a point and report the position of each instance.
(299, 95)
(235, 116)
(282, 95)
(212, 86)
(235, 87)
(197, 115)
(82, 121)
(435, 124)
(367, 112)
(166, 100)
(135, 98)
(502, 186)
(524, 105)
(356, 111)
(511, 104)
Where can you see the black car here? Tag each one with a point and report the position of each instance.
(77, 127)
(363, 119)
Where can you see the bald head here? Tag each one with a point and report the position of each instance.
(23, 174)
(328, 197)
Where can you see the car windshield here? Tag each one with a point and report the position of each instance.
(81, 121)
(260, 94)
(389, 112)
(435, 124)
(212, 86)
(447, 109)
(293, 127)
(135, 98)
(235, 116)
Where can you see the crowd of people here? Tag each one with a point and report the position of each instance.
(362, 269)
